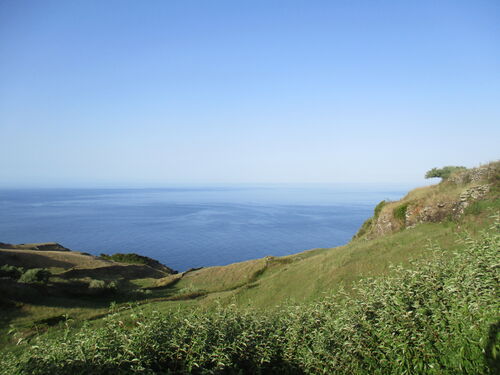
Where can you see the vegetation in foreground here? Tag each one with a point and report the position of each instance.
(44, 309)
(439, 317)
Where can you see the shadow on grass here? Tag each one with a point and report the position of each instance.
(76, 295)
(491, 354)
(160, 366)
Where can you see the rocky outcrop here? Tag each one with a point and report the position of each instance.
(385, 224)
(441, 210)
(468, 196)
(487, 172)
(447, 200)
(428, 213)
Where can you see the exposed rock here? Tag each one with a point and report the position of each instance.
(470, 195)
(438, 205)
(474, 175)
(384, 224)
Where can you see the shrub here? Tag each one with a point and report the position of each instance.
(102, 287)
(11, 271)
(400, 212)
(97, 284)
(35, 276)
(444, 172)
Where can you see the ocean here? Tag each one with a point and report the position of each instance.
(191, 227)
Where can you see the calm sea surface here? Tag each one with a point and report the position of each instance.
(190, 227)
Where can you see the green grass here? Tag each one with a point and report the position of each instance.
(265, 285)
(438, 316)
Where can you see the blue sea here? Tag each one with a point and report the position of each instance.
(193, 226)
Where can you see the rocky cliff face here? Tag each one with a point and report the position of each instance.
(446, 200)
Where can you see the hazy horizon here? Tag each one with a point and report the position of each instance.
(153, 94)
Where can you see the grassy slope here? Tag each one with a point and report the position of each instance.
(268, 282)
(49, 259)
(438, 317)
(306, 276)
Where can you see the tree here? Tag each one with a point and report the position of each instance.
(444, 172)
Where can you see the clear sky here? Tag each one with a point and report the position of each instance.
(152, 93)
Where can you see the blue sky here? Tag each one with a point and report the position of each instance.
(153, 93)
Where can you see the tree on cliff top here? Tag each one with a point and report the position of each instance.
(444, 172)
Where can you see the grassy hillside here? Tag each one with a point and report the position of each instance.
(29, 258)
(438, 317)
(402, 232)
(450, 210)
(79, 285)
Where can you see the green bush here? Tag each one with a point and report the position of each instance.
(103, 287)
(439, 317)
(11, 271)
(35, 276)
(97, 284)
(444, 172)
(400, 212)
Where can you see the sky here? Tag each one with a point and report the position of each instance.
(154, 93)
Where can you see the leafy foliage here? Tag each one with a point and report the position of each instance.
(440, 317)
(444, 172)
(35, 276)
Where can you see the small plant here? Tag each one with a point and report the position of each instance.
(11, 272)
(102, 287)
(97, 284)
(400, 212)
(35, 276)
